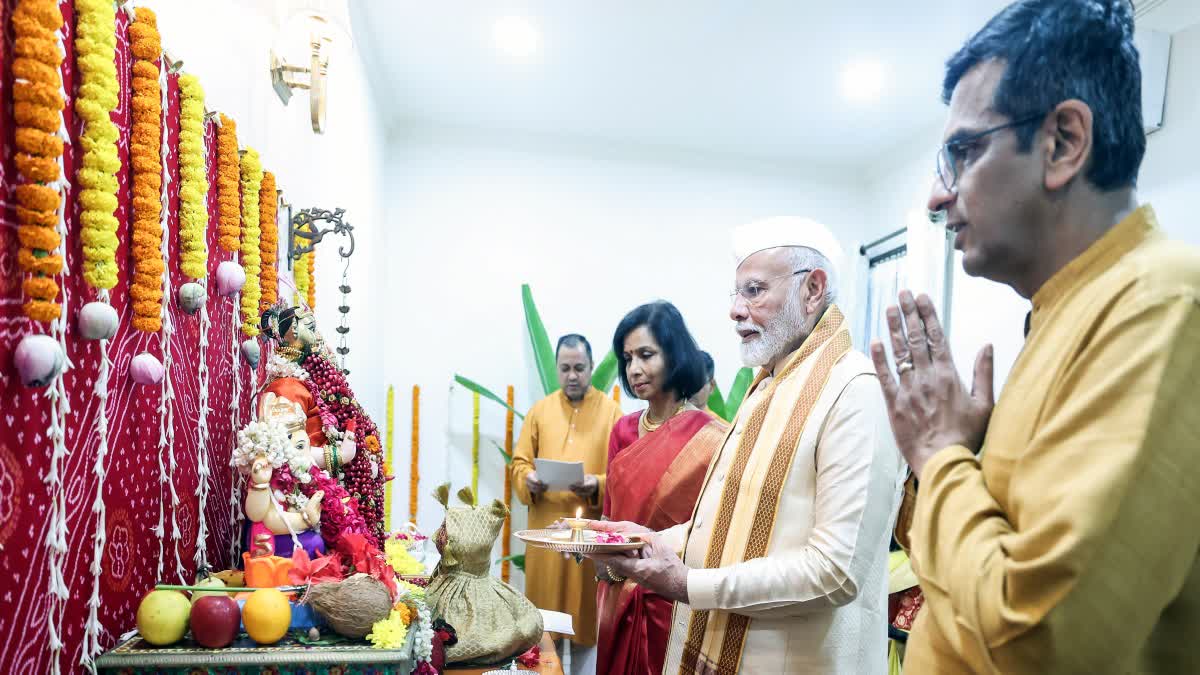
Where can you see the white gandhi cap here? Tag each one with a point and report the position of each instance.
(761, 235)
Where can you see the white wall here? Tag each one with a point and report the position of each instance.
(595, 230)
(340, 168)
(982, 311)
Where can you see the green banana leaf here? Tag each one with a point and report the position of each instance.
(737, 392)
(543, 351)
(716, 402)
(507, 457)
(605, 373)
(484, 392)
(517, 560)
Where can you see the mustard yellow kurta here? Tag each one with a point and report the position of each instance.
(1071, 545)
(556, 428)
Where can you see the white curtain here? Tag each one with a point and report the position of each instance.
(926, 258)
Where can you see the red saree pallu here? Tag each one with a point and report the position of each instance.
(654, 481)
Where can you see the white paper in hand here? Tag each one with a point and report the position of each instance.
(558, 475)
(557, 622)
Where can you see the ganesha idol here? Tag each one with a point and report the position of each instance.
(343, 441)
(274, 454)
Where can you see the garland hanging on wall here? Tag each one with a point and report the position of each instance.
(268, 201)
(37, 110)
(506, 542)
(96, 98)
(145, 150)
(414, 473)
(387, 455)
(252, 176)
(311, 290)
(301, 277)
(475, 444)
(229, 202)
(193, 180)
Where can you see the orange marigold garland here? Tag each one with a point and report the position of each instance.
(268, 204)
(506, 542)
(37, 111)
(414, 473)
(145, 148)
(229, 203)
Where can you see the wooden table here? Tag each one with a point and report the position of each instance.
(549, 665)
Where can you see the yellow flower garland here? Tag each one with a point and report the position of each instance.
(268, 203)
(387, 457)
(37, 65)
(475, 445)
(300, 275)
(506, 543)
(311, 290)
(228, 201)
(414, 474)
(145, 148)
(95, 52)
(193, 180)
(252, 176)
(617, 394)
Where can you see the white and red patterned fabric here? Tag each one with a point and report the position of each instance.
(132, 491)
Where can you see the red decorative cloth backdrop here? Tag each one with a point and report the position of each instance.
(132, 491)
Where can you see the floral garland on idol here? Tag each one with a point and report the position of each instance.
(95, 100)
(364, 476)
(310, 291)
(251, 255)
(37, 111)
(268, 201)
(301, 276)
(145, 148)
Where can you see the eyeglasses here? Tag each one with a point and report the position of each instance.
(754, 291)
(952, 155)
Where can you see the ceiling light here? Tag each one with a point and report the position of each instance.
(862, 81)
(516, 36)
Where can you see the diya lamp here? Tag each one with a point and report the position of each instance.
(577, 525)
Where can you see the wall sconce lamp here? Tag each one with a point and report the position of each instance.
(285, 77)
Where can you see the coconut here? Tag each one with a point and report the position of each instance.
(351, 607)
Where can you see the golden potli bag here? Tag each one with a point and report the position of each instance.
(494, 622)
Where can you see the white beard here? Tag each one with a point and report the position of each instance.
(775, 338)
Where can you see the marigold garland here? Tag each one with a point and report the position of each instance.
(252, 176)
(228, 198)
(475, 444)
(193, 180)
(300, 275)
(268, 203)
(37, 110)
(387, 457)
(414, 474)
(311, 290)
(145, 153)
(506, 542)
(97, 98)
(617, 394)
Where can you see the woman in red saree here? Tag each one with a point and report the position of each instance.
(657, 459)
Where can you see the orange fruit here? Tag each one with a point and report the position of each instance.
(267, 616)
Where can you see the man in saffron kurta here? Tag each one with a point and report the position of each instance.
(570, 425)
(1069, 543)
(782, 567)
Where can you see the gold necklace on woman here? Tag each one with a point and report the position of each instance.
(649, 426)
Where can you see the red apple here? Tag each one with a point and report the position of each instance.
(215, 620)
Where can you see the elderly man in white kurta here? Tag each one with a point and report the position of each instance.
(783, 565)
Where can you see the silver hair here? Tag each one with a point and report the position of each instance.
(803, 257)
